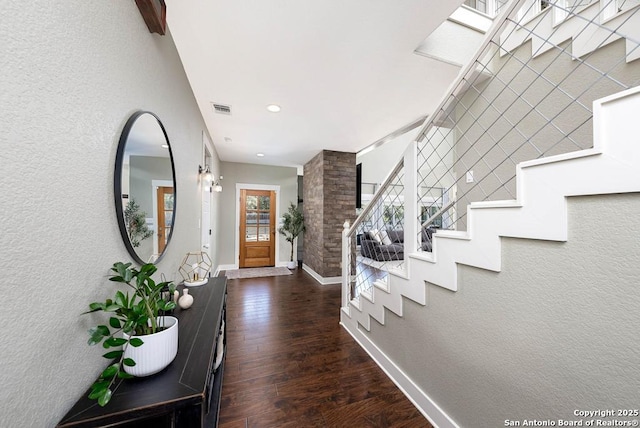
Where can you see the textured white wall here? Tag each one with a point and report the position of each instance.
(556, 330)
(72, 73)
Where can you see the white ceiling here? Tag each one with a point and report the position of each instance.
(343, 71)
(146, 138)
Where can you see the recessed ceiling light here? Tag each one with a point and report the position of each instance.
(273, 108)
(260, 155)
(165, 146)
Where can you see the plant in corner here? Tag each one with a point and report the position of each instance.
(135, 222)
(135, 315)
(292, 226)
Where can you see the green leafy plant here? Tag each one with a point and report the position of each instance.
(292, 225)
(135, 314)
(135, 222)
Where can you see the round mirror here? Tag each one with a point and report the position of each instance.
(145, 187)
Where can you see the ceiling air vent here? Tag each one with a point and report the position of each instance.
(221, 108)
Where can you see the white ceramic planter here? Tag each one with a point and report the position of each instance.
(291, 265)
(157, 351)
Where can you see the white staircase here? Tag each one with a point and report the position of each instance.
(584, 27)
(540, 212)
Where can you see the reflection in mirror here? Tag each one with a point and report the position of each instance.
(144, 187)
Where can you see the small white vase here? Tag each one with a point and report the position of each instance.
(291, 265)
(186, 300)
(158, 350)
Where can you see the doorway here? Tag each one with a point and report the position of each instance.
(257, 228)
(206, 228)
(165, 203)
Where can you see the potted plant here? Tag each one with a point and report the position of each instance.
(136, 225)
(292, 226)
(138, 317)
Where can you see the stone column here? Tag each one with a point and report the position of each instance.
(329, 200)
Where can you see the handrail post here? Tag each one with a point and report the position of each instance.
(346, 265)
(410, 199)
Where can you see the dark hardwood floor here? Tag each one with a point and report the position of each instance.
(290, 364)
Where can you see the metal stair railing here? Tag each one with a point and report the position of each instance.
(524, 96)
(527, 94)
(365, 261)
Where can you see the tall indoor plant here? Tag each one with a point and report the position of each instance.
(135, 222)
(292, 226)
(135, 316)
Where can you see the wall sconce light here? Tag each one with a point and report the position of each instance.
(205, 173)
(217, 186)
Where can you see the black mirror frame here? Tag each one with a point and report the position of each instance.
(117, 185)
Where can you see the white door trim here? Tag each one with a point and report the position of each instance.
(154, 198)
(247, 186)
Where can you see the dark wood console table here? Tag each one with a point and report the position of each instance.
(185, 394)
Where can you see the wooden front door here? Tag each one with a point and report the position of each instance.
(165, 215)
(257, 228)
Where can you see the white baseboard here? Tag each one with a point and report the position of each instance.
(419, 398)
(322, 280)
(226, 267)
